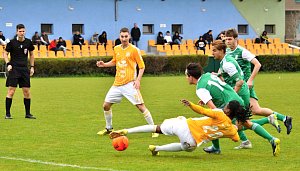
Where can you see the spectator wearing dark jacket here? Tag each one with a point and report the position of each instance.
(103, 39)
(78, 39)
(208, 37)
(177, 38)
(135, 34)
(160, 39)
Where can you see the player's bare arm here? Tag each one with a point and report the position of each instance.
(255, 71)
(5, 56)
(238, 85)
(137, 82)
(101, 64)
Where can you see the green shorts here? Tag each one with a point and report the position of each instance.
(252, 93)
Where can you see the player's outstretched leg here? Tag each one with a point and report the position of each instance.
(118, 133)
(152, 149)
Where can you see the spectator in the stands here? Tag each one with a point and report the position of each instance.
(36, 39)
(103, 39)
(44, 39)
(78, 39)
(221, 36)
(264, 37)
(160, 39)
(200, 44)
(61, 45)
(208, 37)
(168, 38)
(94, 39)
(3, 41)
(177, 38)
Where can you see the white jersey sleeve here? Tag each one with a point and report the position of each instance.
(247, 55)
(229, 68)
(203, 95)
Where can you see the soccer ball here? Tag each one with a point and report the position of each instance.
(120, 143)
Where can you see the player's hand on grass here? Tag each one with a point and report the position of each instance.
(137, 84)
(185, 102)
(100, 64)
(31, 71)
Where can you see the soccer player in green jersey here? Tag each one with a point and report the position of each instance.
(215, 93)
(245, 59)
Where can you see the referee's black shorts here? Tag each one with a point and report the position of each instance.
(18, 75)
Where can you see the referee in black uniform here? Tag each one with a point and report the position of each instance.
(18, 72)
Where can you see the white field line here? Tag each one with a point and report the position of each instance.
(56, 164)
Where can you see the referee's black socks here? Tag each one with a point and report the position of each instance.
(27, 106)
(8, 103)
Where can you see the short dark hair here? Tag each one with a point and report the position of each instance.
(20, 26)
(231, 33)
(124, 29)
(194, 69)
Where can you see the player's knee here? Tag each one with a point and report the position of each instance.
(187, 147)
(106, 107)
(11, 92)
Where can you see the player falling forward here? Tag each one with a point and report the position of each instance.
(193, 132)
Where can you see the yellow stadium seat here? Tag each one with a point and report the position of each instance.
(169, 52)
(86, 42)
(85, 48)
(189, 42)
(184, 52)
(175, 47)
(69, 54)
(43, 48)
(109, 53)
(76, 48)
(151, 42)
(177, 52)
(51, 54)
(256, 46)
(200, 52)
(43, 54)
(281, 51)
(249, 41)
(276, 41)
(284, 45)
(77, 54)
(94, 53)
(182, 47)
(68, 43)
(60, 54)
(268, 51)
(263, 46)
(288, 51)
(160, 48)
(259, 52)
(168, 47)
(249, 46)
(193, 52)
(35, 53)
(191, 47)
(241, 42)
(109, 43)
(296, 51)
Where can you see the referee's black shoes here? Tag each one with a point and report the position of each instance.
(8, 116)
(30, 116)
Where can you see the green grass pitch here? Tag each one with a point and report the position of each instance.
(69, 114)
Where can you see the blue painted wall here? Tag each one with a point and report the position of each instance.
(196, 16)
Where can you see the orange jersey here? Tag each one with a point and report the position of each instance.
(216, 125)
(126, 61)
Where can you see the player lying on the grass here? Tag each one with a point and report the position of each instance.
(193, 132)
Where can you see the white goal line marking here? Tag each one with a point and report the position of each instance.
(57, 164)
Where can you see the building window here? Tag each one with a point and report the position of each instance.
(178, 28)
(47, 28)
(148, 28)
(242, 29)
(270, 28)
(77, 27)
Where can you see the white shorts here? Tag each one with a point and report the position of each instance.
(179, 127)
(116, 93)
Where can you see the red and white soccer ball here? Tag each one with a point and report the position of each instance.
(120, 143)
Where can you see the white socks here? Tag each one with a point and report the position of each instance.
(144, 128)
(148, 117)
(169, 147)
(108, 119)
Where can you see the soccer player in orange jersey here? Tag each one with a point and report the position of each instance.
(193, 132)
(127, 81)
